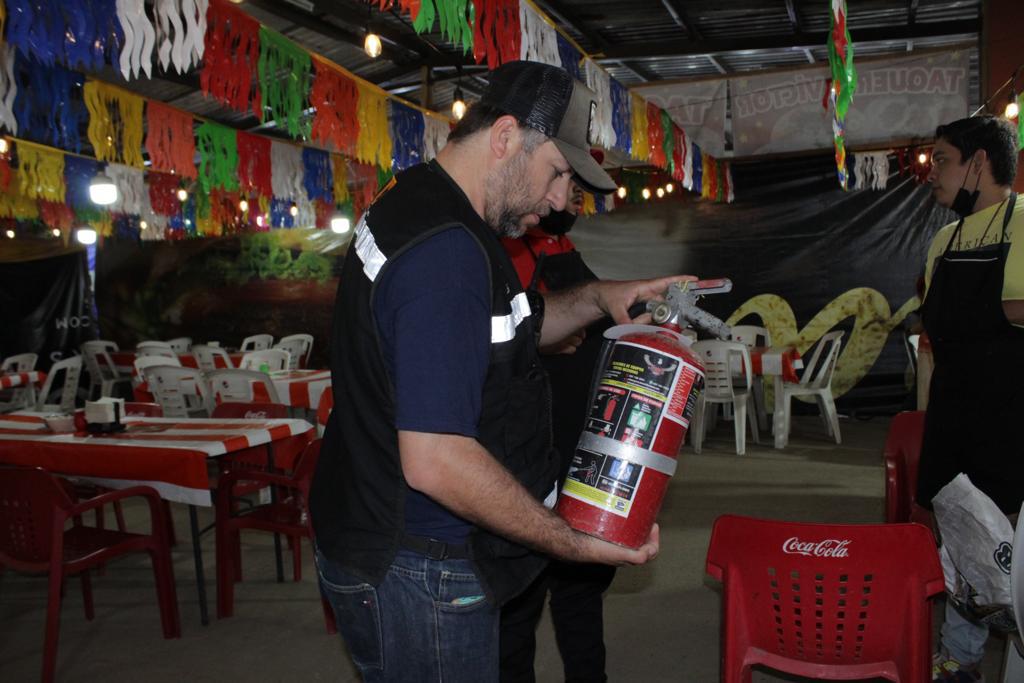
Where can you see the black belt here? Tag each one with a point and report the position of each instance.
(434, 549)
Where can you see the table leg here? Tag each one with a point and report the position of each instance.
(779, 418)
(197, 553)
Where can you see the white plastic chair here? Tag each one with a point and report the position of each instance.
(155, 348)
(69, 370)
(257, 342)
(206, 357)
(103, 373)
(1013, 666)
(306, 349)
(236, 386)
(180, 344)
(755, 336)
(724, 362)
(275, 359)
(689, 334)
(296, 349)
(181, 392)
(144, 362)
(19, 397)
(816, 381)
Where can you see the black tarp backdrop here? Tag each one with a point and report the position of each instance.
(47, 306)
(794, 233)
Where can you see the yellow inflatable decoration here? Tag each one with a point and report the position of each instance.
(873, 320)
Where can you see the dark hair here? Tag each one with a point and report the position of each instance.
(480, 116)
(994, 134)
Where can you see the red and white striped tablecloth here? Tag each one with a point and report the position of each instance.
(21, 379)
(169, 454)
(125, 360)
(301, 388)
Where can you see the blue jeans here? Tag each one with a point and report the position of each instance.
(428, 620)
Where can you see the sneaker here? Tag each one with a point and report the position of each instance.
(946, 669)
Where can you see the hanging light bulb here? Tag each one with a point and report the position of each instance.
(622, 192)
(660, 192)
(143, 225)
(259, 220)
(294, 210)
(340, 224)
(182, 194)
(243, 205)
(55, 232)
(458, 104)
(646, 193)
(1012, 110)
(922, 158)
(10, 234)
(4, 146)
(86, 236)
(670, 188)
(102, 190)
(372, 45)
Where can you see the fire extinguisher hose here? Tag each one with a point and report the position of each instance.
(638, 456)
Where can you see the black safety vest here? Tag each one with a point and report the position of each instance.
(358, 492)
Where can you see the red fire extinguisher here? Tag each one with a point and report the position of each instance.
(644, 393)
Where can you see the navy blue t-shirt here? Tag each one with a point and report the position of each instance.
(432, 307)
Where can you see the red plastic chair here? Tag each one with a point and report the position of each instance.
(323, 411)
(34, 510)
(902, 456)
(826, 601)
(289, 515)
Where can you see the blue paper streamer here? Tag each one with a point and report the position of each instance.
(407, 128)
(698, 168)
(280, 213)
(318, 177)
(80, 34)
(599, 203)
(570, 57)
(622, 122)
(78, 174)
(49, 106)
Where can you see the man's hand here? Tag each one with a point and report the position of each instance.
(566, 346)
(616, 297)
(595, 550)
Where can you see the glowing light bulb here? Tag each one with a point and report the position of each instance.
(622, 192)
(143, 225)
(86, 236)
(182, 194)
(372, 45)
(4, 146)
(340, 224)
(646, 193)
(458, 104)
(922, 158)
(660, 192)
(243, 205)
(670, 188)
(259, 221)
(102, 190)
(10, 234)
(55, 232)
(294, 210)
(1012, 110)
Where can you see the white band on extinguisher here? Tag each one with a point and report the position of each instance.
(632, 454)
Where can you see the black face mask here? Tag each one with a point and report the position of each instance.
(557, 222)
(964, 201)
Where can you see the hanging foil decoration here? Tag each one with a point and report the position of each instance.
(539, 41)
(435, 135)
(285, 74)
(363, 183)
(170, 140)
(286, 171)
(655, 135)
(231, 56)
(306, 217)
(406, 127)
(697, 168)
(281, 214)
(5, 170)
(844, 82)
(621, 116)
(496, 35)
(48, 105)
(598, 80)
(180, 32)
(679, 154)
(218, 158)
(163, 193)
(570, 58)
(56, 215)
(41, 173)
(374, 144)
(139, 39)
(335, 99)
(318, 174)
(131, 188)
(668, 141)
(8, 89)
(454, 24)
(81, 34)
(339, 167)
(78, 173)
(115, 123)
(709, 178)
(224, 215)
(254, 164)
(17, 206)
(639, 150)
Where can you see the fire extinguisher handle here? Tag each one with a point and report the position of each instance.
(637, 309)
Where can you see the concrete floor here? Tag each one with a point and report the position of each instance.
(661, 621)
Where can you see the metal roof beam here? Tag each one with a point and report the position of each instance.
(794, 17)
(675, 9)
(870, 35)
(570, 20)
(717, 64)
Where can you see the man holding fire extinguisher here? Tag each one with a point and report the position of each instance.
(428, 502)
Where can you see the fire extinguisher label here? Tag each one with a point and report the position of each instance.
(603, 481)
(633, 391)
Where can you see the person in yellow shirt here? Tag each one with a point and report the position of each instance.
(973, 312)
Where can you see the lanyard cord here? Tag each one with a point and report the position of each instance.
(959, 232)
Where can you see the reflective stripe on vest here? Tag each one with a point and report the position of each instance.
(503, 327)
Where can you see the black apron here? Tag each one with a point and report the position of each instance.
(976, 398)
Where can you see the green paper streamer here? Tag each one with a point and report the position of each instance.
(286, 74)
(456, 19)
(218, 157)
(843, 73)
(668, 141)
(424, 21)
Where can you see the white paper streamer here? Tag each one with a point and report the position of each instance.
(156, 225)
(180, 25)
(131, 189)
(599, 81)
(307, 212)
(881, 171)
(539, 42)
(862, 163)
(8, 89)
(286, 171)
(139, 39)
(435, 135)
